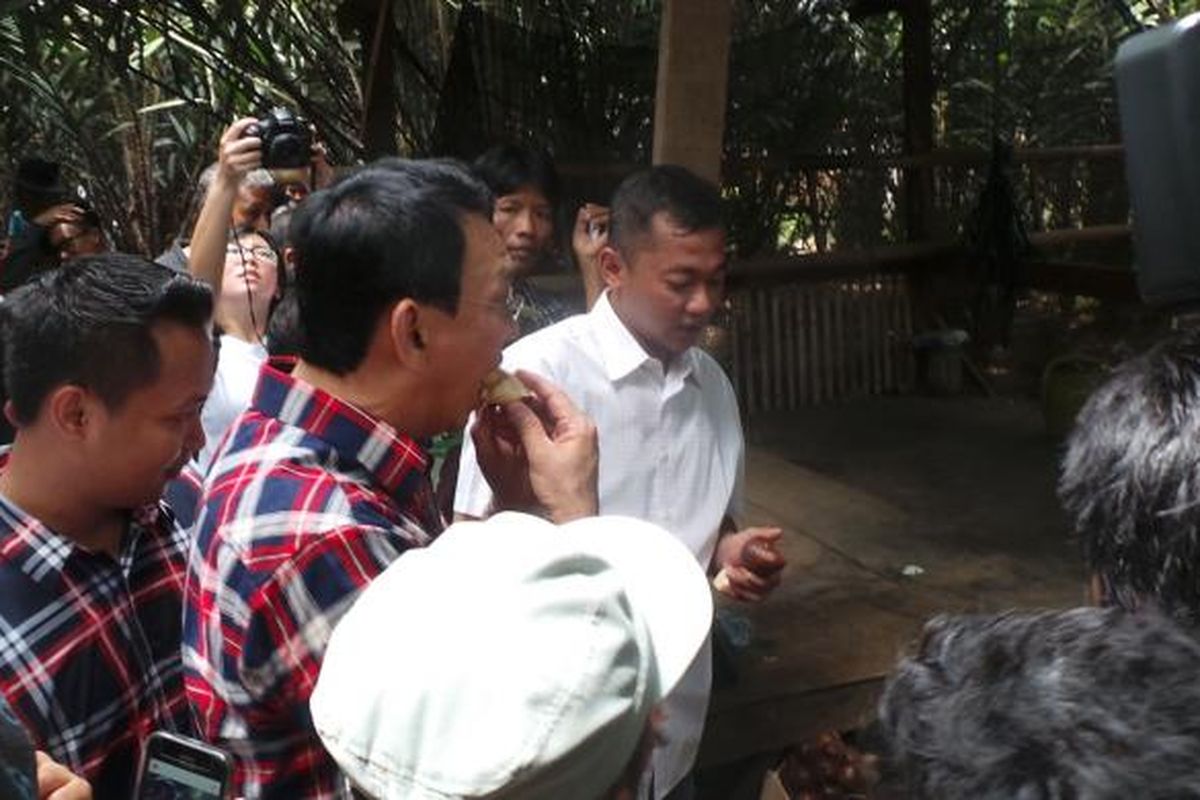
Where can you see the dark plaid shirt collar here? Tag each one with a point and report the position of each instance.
(396, 462)
(43, 553)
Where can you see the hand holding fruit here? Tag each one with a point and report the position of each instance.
(749, 563)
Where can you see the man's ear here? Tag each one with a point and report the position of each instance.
(407, 331)
(71, 410)
(612, 267)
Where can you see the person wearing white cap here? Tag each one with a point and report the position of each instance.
(533, 671)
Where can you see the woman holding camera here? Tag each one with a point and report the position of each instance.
(244, 269)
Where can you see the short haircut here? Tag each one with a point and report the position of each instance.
(1130, 480)
(691, 202)
(388, 232)
(1089, 704)
(505, 168)
(284, 334)
(89, 323)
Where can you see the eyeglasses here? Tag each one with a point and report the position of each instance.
(259, 252)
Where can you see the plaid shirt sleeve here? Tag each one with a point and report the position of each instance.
(260, 654)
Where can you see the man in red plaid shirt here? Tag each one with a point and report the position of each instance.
(405, 303)
(107, 363)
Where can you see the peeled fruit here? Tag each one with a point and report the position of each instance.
(500, 387)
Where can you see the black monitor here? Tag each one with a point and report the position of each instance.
(1158, 88)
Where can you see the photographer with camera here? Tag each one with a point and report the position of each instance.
(240, 260)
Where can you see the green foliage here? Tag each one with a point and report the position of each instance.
(131, 96)
(809, 87)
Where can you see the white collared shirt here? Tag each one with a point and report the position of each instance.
(671, 452)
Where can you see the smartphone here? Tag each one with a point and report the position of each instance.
(178, 768)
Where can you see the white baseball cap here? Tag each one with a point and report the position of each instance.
(512, 658)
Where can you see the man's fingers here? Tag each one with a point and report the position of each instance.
(244, 144)
(76, 789)
(739, 589)
(484, 432)
(770, 535)
(244, 153)
(238, 129)
(56, 782)
(63, 212)
(557, 405)
(743, 579)
(527, 425)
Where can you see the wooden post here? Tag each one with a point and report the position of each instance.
(693, 78)
(918, 115)
(917, 46)
(372, 21)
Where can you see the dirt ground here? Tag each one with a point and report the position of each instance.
(894, 509)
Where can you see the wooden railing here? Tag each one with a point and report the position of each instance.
(823, 327)
(804, 343)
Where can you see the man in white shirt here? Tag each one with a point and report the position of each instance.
(671, 447)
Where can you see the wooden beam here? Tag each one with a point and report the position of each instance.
(815, 267)
(693, 77)
(941, 157)
(1090, 235)
(926, 257)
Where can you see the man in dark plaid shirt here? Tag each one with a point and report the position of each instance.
(107, 362)
(405, 304)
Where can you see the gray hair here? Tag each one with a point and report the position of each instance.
(1087, 704)
(1130, 481)
(254, 179)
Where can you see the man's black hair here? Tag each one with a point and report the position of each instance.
(1130, 480)
(284, 334)
(692, 204)
(1090, 704)
(89, 323)
(505, 168)
(391, 231)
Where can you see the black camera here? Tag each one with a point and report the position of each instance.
(286, 139)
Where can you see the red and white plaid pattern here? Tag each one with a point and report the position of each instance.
(307, 501)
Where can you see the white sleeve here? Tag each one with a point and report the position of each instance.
(472, 494)
(737, 500)
(732, 422)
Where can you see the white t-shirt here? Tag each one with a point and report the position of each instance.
(671, 452)
(233, 388)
